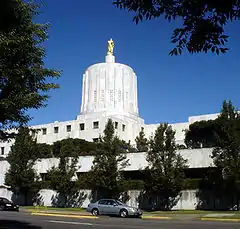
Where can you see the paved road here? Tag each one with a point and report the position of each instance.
(22, 220)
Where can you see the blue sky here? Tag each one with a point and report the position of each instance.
(170, 89)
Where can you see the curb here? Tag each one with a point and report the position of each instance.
(65, 216)
(59, 212)
(219, 219)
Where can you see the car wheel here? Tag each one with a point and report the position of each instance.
(95, 212)
(1, 208)
(123, 213)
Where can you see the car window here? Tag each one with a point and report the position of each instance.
(6, 201)
(104, 202)
(110, 202)
(119, 203)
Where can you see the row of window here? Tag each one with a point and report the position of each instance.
(81, 127)
(111, 95)
(2, 150)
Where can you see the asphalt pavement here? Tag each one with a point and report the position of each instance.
(24, 220)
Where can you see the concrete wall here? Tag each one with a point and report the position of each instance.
(187, 201)
(197, 158)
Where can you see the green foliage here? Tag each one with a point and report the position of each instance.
(223, 135)
(105, 178)
(70, 147)
(73, 147)
(203, 21)
(226, 154)
(44, 150)
(21, 176)
(133, 185)
(24, 81)
(141, 142)
(166, 168)
(201, 134)
(61, 179)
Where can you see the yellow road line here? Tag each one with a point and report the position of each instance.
(65, 216)
(220, 219)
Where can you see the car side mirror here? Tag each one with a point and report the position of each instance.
(115, 205)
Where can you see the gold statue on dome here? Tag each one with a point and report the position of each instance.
(110, 47)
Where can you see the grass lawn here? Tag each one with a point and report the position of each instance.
(235, 216)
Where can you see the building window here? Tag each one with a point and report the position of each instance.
(102, 95)
(2, 150)
(115, 125)
(111, 95)
(44, 131)
(119, 95)
(95, 96)
(95, 139)
(81, 126)
(126, 95)
(56, 129)
(68, 128)
(95, 125)
(123, 127)
(142, 128)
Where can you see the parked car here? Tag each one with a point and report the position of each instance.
(7, 205)
(113, 207)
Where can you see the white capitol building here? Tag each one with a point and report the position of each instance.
(109, 90)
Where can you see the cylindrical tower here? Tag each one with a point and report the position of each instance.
(109, 87)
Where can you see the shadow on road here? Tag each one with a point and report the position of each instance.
(14, 224)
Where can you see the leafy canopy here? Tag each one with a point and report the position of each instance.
(106, 178)
(21, 176)
(203, 21)
(24, 80)
(166, 168)
(141, 142)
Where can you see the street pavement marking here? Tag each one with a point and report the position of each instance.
(66, 222)
(65, 216)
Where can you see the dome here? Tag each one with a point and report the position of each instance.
(109, 87)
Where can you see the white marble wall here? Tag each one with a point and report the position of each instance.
(197, 158)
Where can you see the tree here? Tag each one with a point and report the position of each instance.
(106, 179)
(21, 176)
(61, 179)
(166, 169)
(141, 142)
(203, 21)
(24, 80)
(201, 134)
(74, 146)
(226, 154)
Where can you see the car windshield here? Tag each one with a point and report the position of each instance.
(119, 203)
